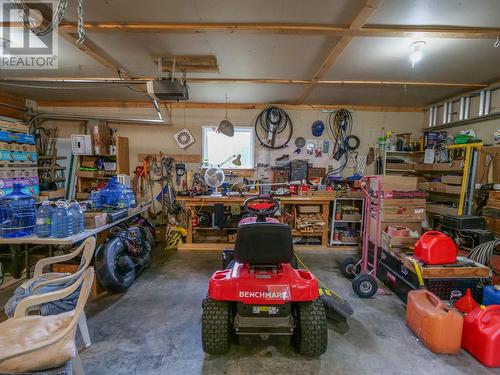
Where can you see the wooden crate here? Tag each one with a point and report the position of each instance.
(72, 268)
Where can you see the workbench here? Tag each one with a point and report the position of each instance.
(196, 203)
(18, 246)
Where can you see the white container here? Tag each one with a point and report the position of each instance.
(81, 144)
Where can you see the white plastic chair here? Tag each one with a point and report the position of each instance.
(30, 343)
(57, 278)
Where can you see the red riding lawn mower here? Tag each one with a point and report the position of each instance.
(261, 291)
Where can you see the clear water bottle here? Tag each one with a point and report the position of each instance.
(61, 221)
(17, 214)
(44, 220)
(77, 215)
(95, 198)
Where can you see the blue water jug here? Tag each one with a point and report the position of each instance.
(62, 224)
(78, 219)
(17, 214)
(131, 197)
(95, 198)
(111, 194)
(123, 202)
(491, 295)
(44, 220)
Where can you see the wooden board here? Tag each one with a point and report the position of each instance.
(185, 158)
(443, 272)
(221, 246)
(488, 167)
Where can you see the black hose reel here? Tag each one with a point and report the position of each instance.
(273, 128)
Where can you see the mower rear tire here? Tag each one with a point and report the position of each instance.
(348, 267)
(311, 332)
(216, 326)
(365, 285)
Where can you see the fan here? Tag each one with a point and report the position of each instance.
(214, 177)
(184, 138)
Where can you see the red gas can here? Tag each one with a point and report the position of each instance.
(434, 247)
(481, 335)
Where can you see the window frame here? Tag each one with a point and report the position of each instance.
(229, 165)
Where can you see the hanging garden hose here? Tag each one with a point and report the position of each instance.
(270, 123)
(483, 254)
(339, 127)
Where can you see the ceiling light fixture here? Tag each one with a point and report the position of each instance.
(416, 52)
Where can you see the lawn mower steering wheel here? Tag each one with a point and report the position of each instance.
(261, 206)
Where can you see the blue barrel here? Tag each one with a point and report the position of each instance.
(44, 220)
(17, 214)
(491, 295)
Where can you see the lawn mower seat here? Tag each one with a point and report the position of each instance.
(263, 244)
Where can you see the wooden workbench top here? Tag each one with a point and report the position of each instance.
(234, 199)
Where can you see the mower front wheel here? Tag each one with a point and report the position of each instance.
(365, 285)
(216, 326)
(311, 332)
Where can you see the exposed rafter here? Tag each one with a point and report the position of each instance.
(368, 30)
(366, 11)
(259, 106)
(143, 80)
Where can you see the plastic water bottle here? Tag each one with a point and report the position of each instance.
(61, 221)
(17, 214)
(123, 202)
(95, 198)
(78, 219)
(44, 220)
(131, 198)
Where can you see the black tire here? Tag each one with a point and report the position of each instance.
(365, 285)
(311, 333)
(348, 267)
(110, 258)
(216, 326)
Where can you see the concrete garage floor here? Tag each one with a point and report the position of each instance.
(154, 328)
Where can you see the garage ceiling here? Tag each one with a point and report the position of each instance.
(314, 41)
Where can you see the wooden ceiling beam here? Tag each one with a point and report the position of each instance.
(256, 106)
(368, 30)
(361, 18)
(272, 81)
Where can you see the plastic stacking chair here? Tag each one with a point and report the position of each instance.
(31, 343)
(52, 279)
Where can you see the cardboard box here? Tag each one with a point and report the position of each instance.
(453, 189)
(401, 202)
(493, 224)
(456, 166)
(437, 187)
(95, 220)
(441, 209)
(87, 174)
(388, 242)
(403, 213)
(398, 183)
(421, 167)
(423, 185)
(400, 166)
(59, 193)
(351, 217)
(414, 226)
(101, 136)
(88, 162)
(452, 180)
(351, 240)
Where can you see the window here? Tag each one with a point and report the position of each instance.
(219, 148)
